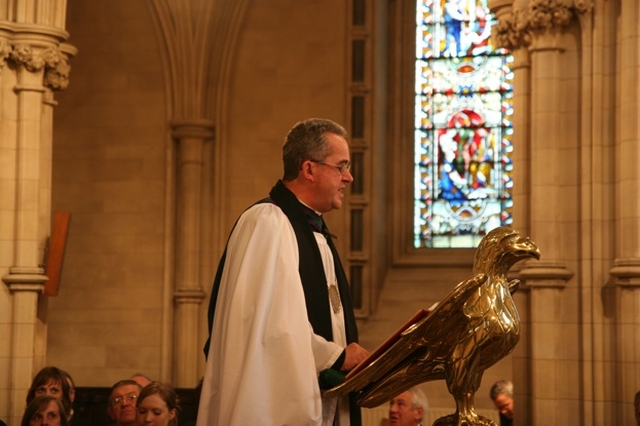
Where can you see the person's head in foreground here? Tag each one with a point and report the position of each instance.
(408, 408)
(502, 397)
(316, 162)
(45, 410)
(51, 381)
(122, 402)
(157, 405)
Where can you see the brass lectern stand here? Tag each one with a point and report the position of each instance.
(474, 327)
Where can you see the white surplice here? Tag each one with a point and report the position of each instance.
(264, 358)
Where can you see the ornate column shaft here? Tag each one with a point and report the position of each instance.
(626, 269)
(184, 30)
(546, 161)
(190, 136)
(194, 45)
(506, 34)
(547, 332)
(38, 66)
(555, 154)
(628, 150)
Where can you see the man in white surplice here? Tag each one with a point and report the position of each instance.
(280, 311)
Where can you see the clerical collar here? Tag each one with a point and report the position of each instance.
(310, 208)
(315, 220)
(313, 217)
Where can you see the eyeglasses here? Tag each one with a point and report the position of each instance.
(341, 168)
(118, 400)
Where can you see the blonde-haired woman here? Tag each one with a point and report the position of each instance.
(157, 405)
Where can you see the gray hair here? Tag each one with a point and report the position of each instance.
(501, 387)
(419, 400)
(306, 141)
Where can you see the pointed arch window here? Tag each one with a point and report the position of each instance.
(463, 126)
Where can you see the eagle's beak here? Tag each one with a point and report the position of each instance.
(527, 248)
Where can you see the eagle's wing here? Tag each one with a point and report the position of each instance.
(419, 353)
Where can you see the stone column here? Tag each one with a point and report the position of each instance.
(554, 154)
(547, 147)
(505, 34)
(626, 269)
(38, 67)
(190, 137)
(195, 37)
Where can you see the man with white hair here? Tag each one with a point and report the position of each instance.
(408, 408)
(502, 396)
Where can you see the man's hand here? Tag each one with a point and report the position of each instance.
(354, 355)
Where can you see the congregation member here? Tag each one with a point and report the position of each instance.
(141, 379)
(157, 405)
(122, 402)
(51, 381)
(501, 394)
(408, 408)
(45, 410)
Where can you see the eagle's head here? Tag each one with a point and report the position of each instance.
(502, 248)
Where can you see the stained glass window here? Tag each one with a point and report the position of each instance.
(463, 125)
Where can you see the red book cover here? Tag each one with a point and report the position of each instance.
(390, 341)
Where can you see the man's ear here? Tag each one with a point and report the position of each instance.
(419, 413)
(110, 411)
(307, 170)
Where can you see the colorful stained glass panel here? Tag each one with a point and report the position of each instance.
(463, 125)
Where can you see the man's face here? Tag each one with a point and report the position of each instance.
(504, 404)
(122, 404)
(402, 412)
(330, 181)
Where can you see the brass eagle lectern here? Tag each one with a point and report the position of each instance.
(470, 330)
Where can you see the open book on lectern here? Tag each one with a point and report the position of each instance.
(422, 313)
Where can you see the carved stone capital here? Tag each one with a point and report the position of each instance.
(534, 17)
(53, 62)
(57, 71)
(23, 55)
(5, 50)
(508, 34)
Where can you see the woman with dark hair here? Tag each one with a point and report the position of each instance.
(51, 381)
(157, 405)
(45, 410)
